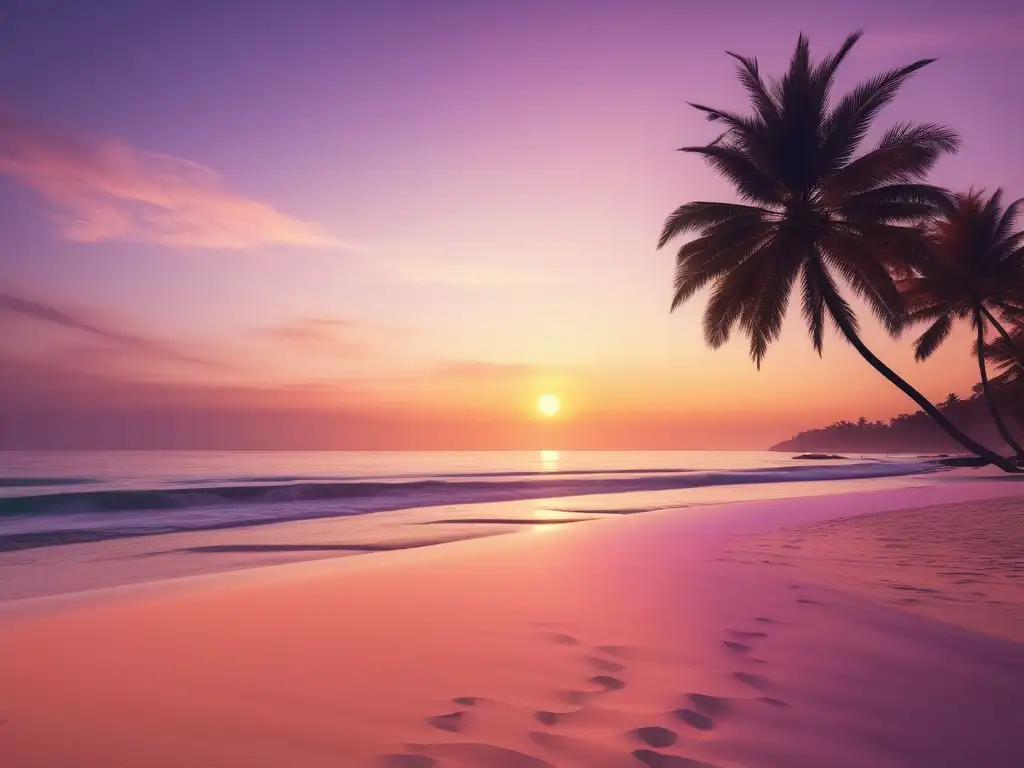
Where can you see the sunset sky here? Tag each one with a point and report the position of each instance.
(396, 224)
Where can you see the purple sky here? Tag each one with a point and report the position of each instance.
(406, 220)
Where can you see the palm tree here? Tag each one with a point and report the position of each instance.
(974, 272)
(812, 211)
(1005, 352)
(951, 401)
(1010, 379)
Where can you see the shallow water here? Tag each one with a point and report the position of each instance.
(56, 498)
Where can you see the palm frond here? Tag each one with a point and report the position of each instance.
(733, 292)
(813, 309)
(895, 203)
(867, 276)
(1007, 221)
(839, 310)
(847, 124)
(826, 69)
(925, 292)
(991, 213)
(906, 153)
(750, 181)
(932, 338)
(742, 124)
(699, 216)
(708, 258)
(750, 78)
(1012, 247)
(1002, 356)
(762, 318)
(745, 134)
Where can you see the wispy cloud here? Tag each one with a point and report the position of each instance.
(103, 189)
(81, 321)
(347, 340)
(342, 336)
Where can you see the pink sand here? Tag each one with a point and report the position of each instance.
(636, 641)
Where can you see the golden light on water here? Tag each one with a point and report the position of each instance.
(542, 515)
(549, 461)
(548, 405)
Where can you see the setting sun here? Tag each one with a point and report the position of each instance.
(548, 405)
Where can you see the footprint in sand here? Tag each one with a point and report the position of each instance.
(772, 701)
(712, 706)
(741, 635)
(466, 701)
(545, 717)
(575, 698)
(560, 638)
(754, 681)
(408, 761)
(599, 684)
(695, 719)
(604, 665)
(732, 645)
(452, 722)
(618, 651)
(765, 620)
(808, 601)
(655, 736)
(487, 754)
(654, 759)
(608, 683)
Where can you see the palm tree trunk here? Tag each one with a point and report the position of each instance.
(1017, 352)
(979, 321)
(850, 333)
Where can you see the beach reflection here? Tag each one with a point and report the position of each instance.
(549, 461)
(546, 519)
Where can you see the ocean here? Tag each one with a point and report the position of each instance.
(49, 498)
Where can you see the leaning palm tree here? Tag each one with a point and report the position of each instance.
(974, 272)
(813, 211)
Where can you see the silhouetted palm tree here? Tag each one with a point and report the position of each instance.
(974, 272)
(813, 211)
(1006, 351)
(1010, 379)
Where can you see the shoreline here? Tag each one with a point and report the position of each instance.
(97, 564)
(631, 641)
(37, 519)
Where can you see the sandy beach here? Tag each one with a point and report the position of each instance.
(511, 385)
(859, 629)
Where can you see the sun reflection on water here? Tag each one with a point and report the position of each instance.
(549, 461)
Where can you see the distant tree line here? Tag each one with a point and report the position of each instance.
(916, 432)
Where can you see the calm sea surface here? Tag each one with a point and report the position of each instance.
(132, 517)
(51, 498)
